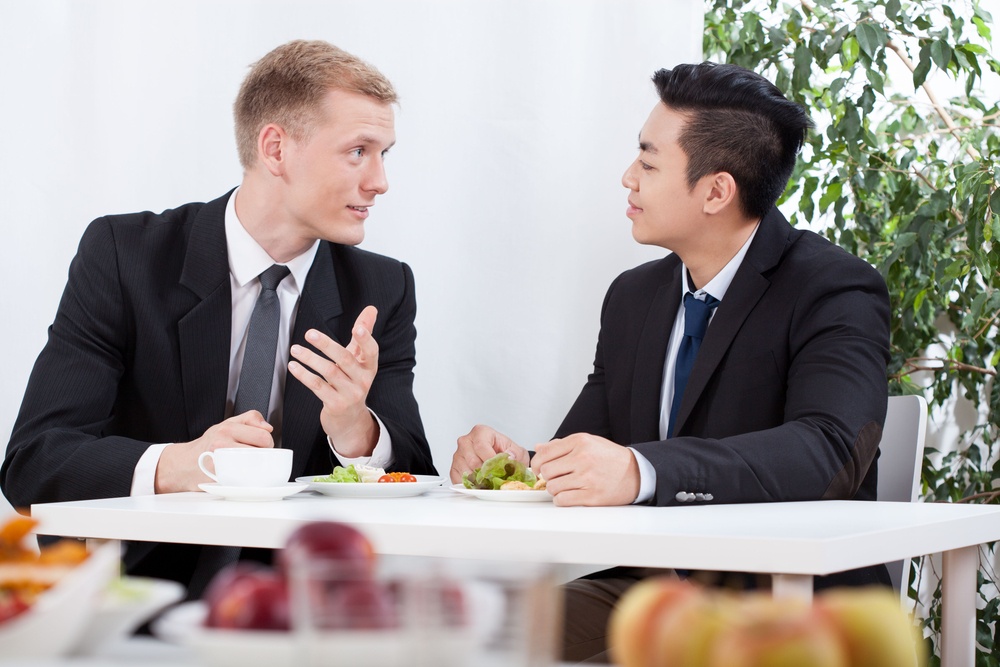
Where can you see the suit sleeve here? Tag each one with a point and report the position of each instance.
(391, 394)
(834, 405)
(58, 449)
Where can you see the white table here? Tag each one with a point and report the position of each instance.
(791, 541)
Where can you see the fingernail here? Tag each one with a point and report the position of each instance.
(312, 334)
(297, 349)
(360, 331)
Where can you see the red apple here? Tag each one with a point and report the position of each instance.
(362, 605)
(329, 541)
(254, 599)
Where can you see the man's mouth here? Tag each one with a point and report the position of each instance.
(359, 208)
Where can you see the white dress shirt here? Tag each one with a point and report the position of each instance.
(247, 260)
(716, 287)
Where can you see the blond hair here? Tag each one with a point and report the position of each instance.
(287, 87)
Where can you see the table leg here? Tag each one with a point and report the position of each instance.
(958, 607)
(798, 586)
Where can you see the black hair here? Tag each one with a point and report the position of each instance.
(738, 122)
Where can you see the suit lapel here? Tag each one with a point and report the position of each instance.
(745, 291)
(647, 383)
(204, 332)
(320, 308)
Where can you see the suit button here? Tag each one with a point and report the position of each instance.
(708, 496)
(684, 496)
(699, 496)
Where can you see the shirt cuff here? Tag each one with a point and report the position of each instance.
(144, 477)
(381, 456)
(647, 478)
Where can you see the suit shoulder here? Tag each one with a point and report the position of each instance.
(365, 258)
(649, 274)
(812, 254)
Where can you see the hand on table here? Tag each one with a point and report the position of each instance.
(177, 468)
(341, 377)
(584, 469)
(479, 444)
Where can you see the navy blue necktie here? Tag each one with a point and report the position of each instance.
(697, 313)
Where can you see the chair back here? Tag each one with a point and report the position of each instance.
(901, 454)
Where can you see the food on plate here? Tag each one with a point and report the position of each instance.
(354, 474)
(391, 477)
(666, 621)
(503, 473)
(249, 596)
(26, 573)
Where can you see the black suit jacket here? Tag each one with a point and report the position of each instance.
(139, 354)
(787, 396)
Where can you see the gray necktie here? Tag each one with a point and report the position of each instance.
(257, 373)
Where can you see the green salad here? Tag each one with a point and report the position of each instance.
(341, 474)
(496, 471)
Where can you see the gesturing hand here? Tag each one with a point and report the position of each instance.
(479, 444)
(584, 469)
(177, 469)
(340, 377)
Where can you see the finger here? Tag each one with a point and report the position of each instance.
(366, 322)
(251, 417)
(555, 469)
(549, 451)
(338, 354)
(364, 347)
(314, 383)
(252, 436)
(318, 364)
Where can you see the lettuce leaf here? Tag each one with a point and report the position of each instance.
(348, 475)
(497, 470)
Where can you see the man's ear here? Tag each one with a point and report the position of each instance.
(721, 193)
(272, 142)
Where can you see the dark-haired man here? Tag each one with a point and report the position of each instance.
(176, 329)
(747, 366)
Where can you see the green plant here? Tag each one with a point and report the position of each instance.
(908, 180)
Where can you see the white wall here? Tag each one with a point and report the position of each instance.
(517, 119)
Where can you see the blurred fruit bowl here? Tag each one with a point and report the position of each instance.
(54, 623)
(666, 621)
(185, 625)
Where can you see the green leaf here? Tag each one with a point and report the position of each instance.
(995, 201)
(923, 66)
(832, 194)
(941, 53)
(878, 83)
(892, 9)
(870, 38)
(803, 67)
(849, 52)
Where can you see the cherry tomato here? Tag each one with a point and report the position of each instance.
(397, 477)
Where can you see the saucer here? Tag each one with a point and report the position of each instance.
(253, 493)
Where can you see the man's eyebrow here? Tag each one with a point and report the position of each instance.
(366, 140)
(647, 147)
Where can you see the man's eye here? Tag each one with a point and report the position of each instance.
(645, 167)
(358, 152)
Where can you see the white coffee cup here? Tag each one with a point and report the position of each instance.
(248, 466)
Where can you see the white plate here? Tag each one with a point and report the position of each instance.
(511, 496)
(360, 648)
(423, 484)
(126, 604)
(253, 493)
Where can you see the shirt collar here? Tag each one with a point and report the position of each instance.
(247, 259)
(719, 285)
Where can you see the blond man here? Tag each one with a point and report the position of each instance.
(247, 321)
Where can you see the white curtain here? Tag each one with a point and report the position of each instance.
(517, 120)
